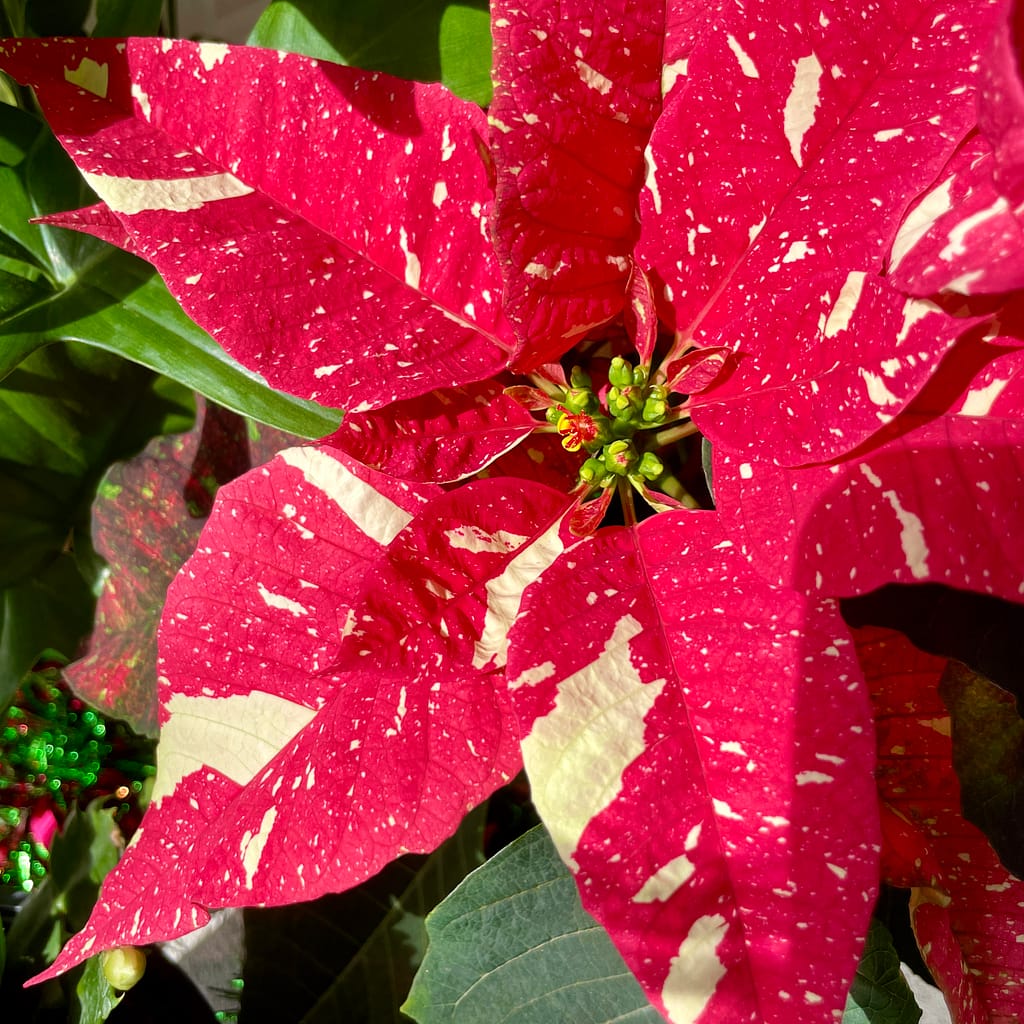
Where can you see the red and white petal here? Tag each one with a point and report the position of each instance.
(699, 745)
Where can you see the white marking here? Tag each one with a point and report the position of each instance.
(143, 100)
(412, 261)
(593, 78)
(372, 512)
(447, 146)
(747, 66)
(505, 592)
(914, 310)
(818, 778)
(667, 880)
(212, 54)
(878, 393)
(842, 312)
(887, 134)
(179, 195)
(90, 76)
(801, 103)
(746, 471)
(915, 550)
(194, 279)
(723, 810)
(589, 738)
(650, 180)
(254, 845)
(958, 233)
(695, 971)
(280, 602)
(979, 401)
(917, 223)
(732, 747)
(471, 538)
(440, 193)
(236, 736)
(671, 73)
(533, 676)
(797, 251)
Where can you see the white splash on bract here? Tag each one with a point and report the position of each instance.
(139, 94)
(90, 76)
(440, 194)
(593, 78)
(236, 736)
(914, 311)
(878, 392)
(280, 602)
(473, 539)
(178, 195)
(747, 66)
(667, 880)
(917, 223)
(212, 54)
(887, 134)
(957, 244)
(671, 73)
(373, 513)
(590, 737)
(979, 401)
(695, 971)
(915, 549)
(253, 845)
(803, 100)
(846, 304)
(412, 261)
(533, 676)
(650, 178)
(505, 593)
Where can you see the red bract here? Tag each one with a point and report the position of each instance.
(718, 191)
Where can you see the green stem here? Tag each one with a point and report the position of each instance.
(670, 435)
(626, 497)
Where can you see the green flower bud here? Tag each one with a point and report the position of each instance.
(579, 378)
(593, 471)
(650, 466)
(123, 966)
(619, 456)
(620, 373)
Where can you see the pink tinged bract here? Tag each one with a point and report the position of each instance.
(814, 135)
(963, 235)
(846, 354)
(250, 626)
(441, 437)
(576, 93)
(896, 511)
(968, 923)
(1001, 100)
(327, 225)
(699, 745)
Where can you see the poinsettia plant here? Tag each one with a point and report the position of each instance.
(782, 244)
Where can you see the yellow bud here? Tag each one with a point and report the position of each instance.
(123, 966)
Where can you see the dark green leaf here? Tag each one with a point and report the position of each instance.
(85, 290)
(96, 998)
(879, 993)
(513, 943)
(988, 757)
(425, 40)
(47, 18)
(53, 609)
(377, 979)
(18, 131)
(128, 17)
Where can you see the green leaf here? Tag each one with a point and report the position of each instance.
(377, 979)
(96, 996)
(128, 17)
(425, 40)
(72, 287)
(52, 610)
(83, 852)
(66, 413)
(988, 757)
(879, 993)
(513, 943)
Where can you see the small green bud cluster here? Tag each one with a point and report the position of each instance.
(632, 404)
